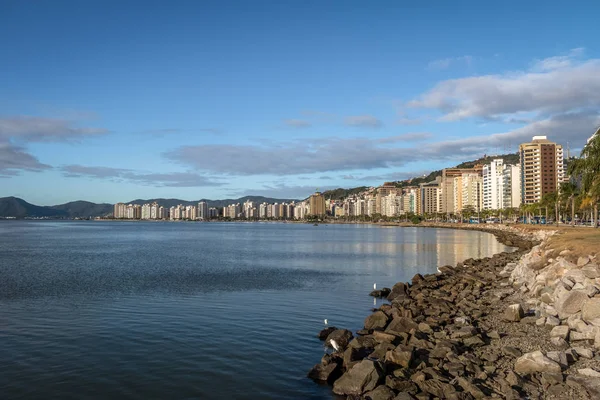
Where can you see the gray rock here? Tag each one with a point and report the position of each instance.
(363, 377)
(551, 322)
(514, 313)
(324, 373)
(559, 342)
(377, 321)
(511, 351)
(589, 372)
(590, 384)
(535, 361)
(381, 392)
(584, 260)
(559, 357)
(398, 291)
(583, 352)
(590, 312)
(567, 283)
(561, 331)
(591, 271)
(400, 325)
(401, 355)
(570, 303)
(437, 388)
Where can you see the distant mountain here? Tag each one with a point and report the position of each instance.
(340, 193)
(512, 158)
(84, 209)
(19, 208)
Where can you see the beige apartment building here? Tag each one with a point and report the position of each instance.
(317, 204)
(542, 168)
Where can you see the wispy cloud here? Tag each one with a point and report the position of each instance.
(363, 121)
(40, 129)
(297, 123)
(174, 179)
(14, 159)
(445, 63)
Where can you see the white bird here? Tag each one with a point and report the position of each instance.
(325, 320)
(374, 286)
(334, 345)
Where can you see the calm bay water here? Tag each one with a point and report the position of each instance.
(145, 310)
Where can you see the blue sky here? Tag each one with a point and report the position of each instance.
(110, 101)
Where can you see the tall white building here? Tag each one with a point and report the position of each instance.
(511, 182)
(493, 185)
(146, 211)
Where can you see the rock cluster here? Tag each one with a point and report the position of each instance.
(472, 332)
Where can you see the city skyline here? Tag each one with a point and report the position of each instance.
(209, 101)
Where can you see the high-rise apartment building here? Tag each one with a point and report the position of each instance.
(542, 168)
(431, 196)
(472, 191)
(317, 204)
(493, 185)
(203, 210)
(120, 211)
(511, 186)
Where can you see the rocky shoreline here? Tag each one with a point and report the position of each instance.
(522, 324)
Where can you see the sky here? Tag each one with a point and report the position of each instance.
(110, 101)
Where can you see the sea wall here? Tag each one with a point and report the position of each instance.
(516, 325)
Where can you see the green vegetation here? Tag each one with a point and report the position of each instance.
(587, 168)
(340, 194)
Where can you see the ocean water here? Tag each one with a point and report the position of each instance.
(159, 310)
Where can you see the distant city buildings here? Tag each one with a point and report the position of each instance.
(494, 186)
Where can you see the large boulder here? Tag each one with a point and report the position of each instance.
(590, 312)
(401, 355)
(535, 361)
(399, 290)
(377, 321)
(570, 303)
(363, 377)
(339, 338)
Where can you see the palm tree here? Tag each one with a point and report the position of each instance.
(588, 168)
(567, 193)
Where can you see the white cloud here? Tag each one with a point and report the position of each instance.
(555, 85)
(40, 129)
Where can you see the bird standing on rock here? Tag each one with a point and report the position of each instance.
(334, 345)
(325, 320)
(374, 286)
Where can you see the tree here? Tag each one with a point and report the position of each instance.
(588, 168)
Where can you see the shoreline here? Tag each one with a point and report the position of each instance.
(522, 324)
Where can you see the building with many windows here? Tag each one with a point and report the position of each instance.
(542, 168)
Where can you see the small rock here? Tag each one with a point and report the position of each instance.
(558, 356)
(584, 260)
(540, 321)
(514, 313)
(583, 352)
(590, 312)
(381, 392)
(551, 322)
(589, 372)
(511, 351)
(561, 331)
(363, 377)
(590, 384)
(559, 342)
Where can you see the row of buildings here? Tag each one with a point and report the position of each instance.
(492, 186)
